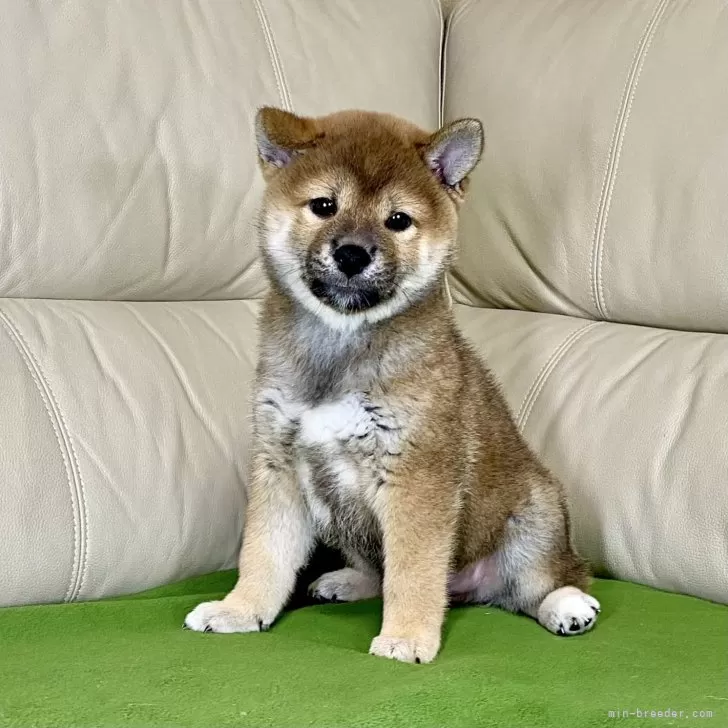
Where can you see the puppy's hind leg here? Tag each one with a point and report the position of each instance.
(542, 574)
(566, 609)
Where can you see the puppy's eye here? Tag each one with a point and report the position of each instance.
(398, 221)
(323, 207)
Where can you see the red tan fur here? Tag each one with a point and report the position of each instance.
(377, 428)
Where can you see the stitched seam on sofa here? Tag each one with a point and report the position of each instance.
(615, 153)
(74, 477)
(76, 469)
(444, 32)
(547, 363)
(452, 19)
(457, 14)
(274, 56)
(441, 109)
(446, 26)
(440, 65)
(524, 411)
(279, 61)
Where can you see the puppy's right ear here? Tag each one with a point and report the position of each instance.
(452, 153)
(281, 136)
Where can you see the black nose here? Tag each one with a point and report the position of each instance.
(351, 259)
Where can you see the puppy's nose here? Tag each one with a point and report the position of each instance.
(351, 259)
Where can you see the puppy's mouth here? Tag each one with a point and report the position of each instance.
(349, 297)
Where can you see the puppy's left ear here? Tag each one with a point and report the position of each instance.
(281, 137)
(453, 152)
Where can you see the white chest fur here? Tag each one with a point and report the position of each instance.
(353, 417)
(341, 450)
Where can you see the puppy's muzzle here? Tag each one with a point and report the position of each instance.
(352, 276)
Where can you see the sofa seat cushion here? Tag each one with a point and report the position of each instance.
(128, 661)
(631, 419)
(124, 432)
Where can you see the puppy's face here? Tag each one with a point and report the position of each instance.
(360, 214)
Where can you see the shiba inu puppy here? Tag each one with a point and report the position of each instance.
(376, 427)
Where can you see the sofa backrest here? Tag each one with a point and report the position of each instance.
(603, 190)
(127, 163)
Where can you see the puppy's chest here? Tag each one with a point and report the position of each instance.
(342, 451)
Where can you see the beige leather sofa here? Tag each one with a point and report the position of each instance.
(593, 274)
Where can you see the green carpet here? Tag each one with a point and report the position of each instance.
(128, 662)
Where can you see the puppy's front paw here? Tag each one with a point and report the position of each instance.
(568, 611)
(405, 649)
(345, 585)
(225, 618)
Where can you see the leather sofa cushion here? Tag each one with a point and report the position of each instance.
(127, 163)
(633, 421)
(602, 190)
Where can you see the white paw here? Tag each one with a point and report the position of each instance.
(568, 611)
(405, 649)
(345, 585)
(225, 618)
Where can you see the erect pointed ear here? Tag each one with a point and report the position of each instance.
(453, 152)
(281, 136)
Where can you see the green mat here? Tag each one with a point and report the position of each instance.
(128, 662)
